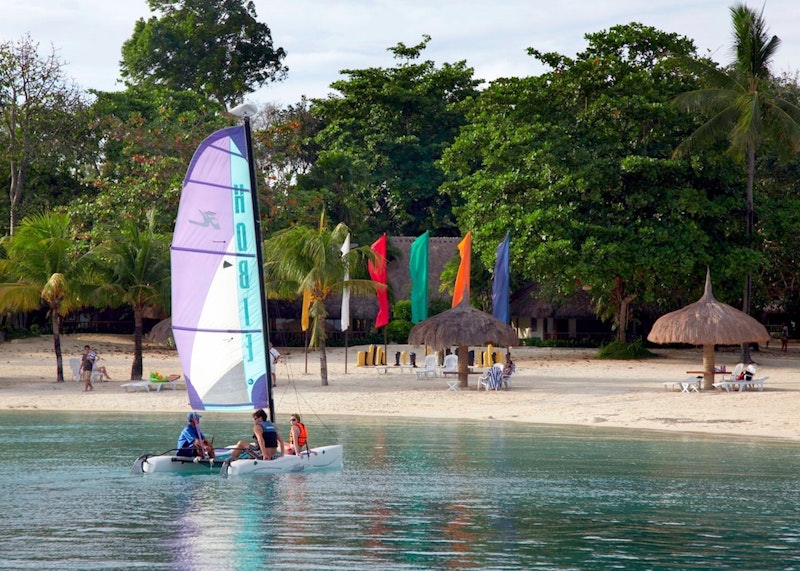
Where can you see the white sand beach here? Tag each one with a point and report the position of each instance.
(551, 386)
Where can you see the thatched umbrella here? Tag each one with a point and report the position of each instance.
(463, 326)
(707, 322)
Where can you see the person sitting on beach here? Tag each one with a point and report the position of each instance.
(100, 368)
(191, 442)
(298, 436)
(509, 367)
(268, 439)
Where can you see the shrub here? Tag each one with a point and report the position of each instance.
(397, 330)
(621, 350)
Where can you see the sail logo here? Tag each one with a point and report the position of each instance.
(209, 218)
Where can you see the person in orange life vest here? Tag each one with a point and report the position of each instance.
(298, 436)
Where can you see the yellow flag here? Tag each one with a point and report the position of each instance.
(306, 307)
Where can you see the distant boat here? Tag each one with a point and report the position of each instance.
(219, 317)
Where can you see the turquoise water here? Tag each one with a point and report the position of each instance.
(412, 495)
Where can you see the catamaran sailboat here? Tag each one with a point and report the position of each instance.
(219, 315)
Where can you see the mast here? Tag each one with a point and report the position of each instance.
(246, 110)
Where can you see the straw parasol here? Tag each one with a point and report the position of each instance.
(462, 325)
(707, 322)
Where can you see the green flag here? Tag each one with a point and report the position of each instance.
(418, 268)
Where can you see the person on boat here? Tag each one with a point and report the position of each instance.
(268, 439)
(298, 436)
(191, 442)
(273, 356)
(87, 363)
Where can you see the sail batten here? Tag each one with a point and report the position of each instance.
(216, 291)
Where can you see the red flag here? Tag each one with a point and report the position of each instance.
(377, 272)
(461, 290)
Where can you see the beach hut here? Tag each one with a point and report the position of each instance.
(463, 326)
(707, 322)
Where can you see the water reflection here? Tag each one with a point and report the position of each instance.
(411, 495)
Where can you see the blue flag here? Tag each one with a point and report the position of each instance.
(500, 285)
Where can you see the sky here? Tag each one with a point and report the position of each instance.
(323, 37)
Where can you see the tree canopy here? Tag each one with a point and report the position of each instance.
(215, 47)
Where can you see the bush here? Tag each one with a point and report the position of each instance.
(398, 329)
(621, 350)
(402, 310)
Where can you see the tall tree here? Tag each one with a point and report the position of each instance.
(393, 124)
(215, 47)
(38, 106)
(741, 106)
(44, 266)
(136, 263)
(304, 259)
(575, 164)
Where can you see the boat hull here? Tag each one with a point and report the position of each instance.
(324, 457)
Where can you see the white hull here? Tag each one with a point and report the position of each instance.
(326, 457)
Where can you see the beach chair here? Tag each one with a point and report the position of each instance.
(75, 365)
(428, 368)
(726, 382)
(450, 364)
(493, 379)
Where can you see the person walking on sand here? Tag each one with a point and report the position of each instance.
(273, 359)
(87, 364)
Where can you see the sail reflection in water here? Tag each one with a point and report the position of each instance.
(412, 495)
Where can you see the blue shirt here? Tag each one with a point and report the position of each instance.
(187, 437)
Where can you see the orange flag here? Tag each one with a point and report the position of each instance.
(306, 306)
(461, 290)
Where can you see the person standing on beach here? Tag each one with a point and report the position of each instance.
(87, 363)
(784, 338)
(273, 359)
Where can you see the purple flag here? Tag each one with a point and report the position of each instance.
(500, 286)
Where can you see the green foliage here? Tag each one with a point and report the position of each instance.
(620, 350)
(402, 310)
(40, 118)
(576, 165)
(381, 139)
(214, 47)
(397, 330)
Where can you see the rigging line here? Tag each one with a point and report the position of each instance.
(300, 397)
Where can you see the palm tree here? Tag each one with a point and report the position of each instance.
(743, 108)
(300, 259)
(136, 262)
(43, 266)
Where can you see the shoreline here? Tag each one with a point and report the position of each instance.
(552, 386)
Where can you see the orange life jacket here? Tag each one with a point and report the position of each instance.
(302, 438)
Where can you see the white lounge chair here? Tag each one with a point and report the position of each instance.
(75, 365)
(450, 364)
(428, 368)
(493, 379)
